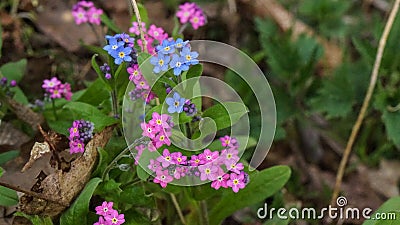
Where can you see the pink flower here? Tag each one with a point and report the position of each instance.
(236, 182)
(93, 15)
(66, 91)
(101, 221)
(140, 149)
(208, 171)
(105, 209)
(196, 160)
(161, 139)
(198, 20)
(162, 178)
(154, 165)
(209, 156)
(160, 120)
(134, 72)
(86, 4)
(73, 132)
(80, 16)
(229, 155)
(178, 158)
(148, 130)
(185, 11)
(135, 28)
(76, 146)
(55, 93)
(165, 159)
(50, 84)
(236, 168)
(141, 83)
(157, 33)
(220, 181)
(114, 218)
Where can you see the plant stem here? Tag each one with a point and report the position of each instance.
(139, 20)
(178, 208)
(182, 28)
(121, 155)
(33, 194)
(54, 108)
(203, 213)
(114, 100)
(132, 182)
(367, 99)
(95, 33)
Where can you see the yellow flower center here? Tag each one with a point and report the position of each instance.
(161, 62)
(121, 54)
(236, 181)
(188, 57)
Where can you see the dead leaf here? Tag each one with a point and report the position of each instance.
(38, 150)
(62, 187)
(384, 180)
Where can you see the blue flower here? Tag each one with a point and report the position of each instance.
(190, 58)
(166, 47)
(122, 54)
(113, 44)
(178, 63)
(179, 43)
(127, 39)
(175, 103)
(160, 63)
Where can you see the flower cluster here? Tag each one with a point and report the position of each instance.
(153, 36)
(209, 165)
(80, 133)
(120, 47)
(142, 88)
(55, 89)
(86, 12)
(158, 129)
(5, 86)
(106, 71)
(190, 12)
(176, 55)
(108, 215)
(189, 108)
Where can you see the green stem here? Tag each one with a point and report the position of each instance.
(203, 213)
(132, 182)
(54, 109)
(114, 100)
(120, 156)
(178, 208)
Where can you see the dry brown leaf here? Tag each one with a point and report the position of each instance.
(38, 150)
(59, 189)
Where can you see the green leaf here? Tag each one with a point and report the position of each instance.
(1, 171)
(142, 174)
(8, 197)
(96, 68)
(95, 93)
(392, 124)
(20, 96)
(135, 195)
(109, 23)
(7, 156)
(14, 70)
(85, 111)
(195, 71)
(104, 159)
(223, 119)
(390, 206)
(142, 57)
(335, 96)
(76, 214)
(262, 185)
(35, 220)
